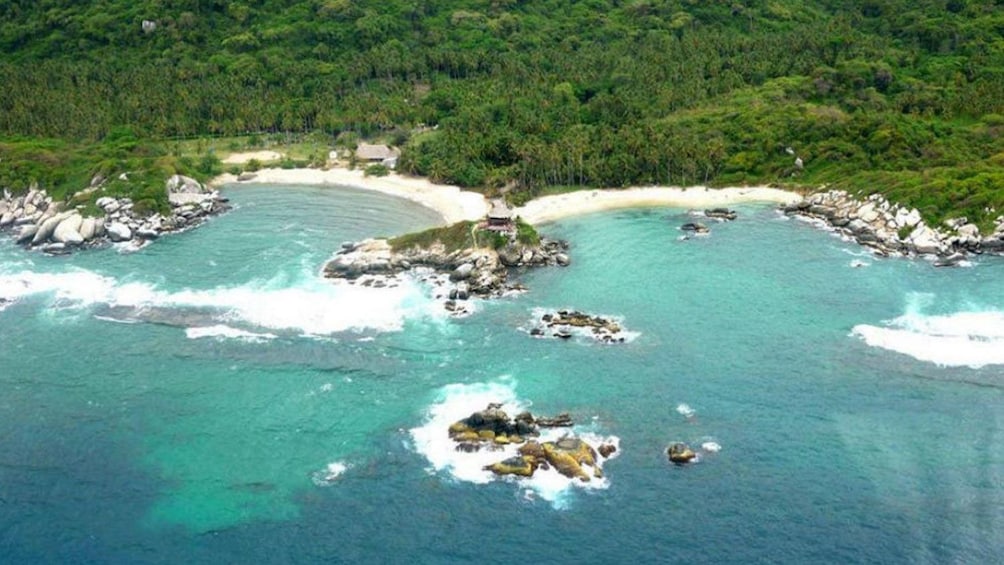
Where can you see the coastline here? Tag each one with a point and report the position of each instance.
(455, 204)
(554, 207)
(451, 202)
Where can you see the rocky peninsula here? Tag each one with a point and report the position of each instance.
(38, 222)
(893, 230)
(477, 262)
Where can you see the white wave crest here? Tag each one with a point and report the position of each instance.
(329, 474)
(685, 410)
(312, 306)
(457, 401)
(221, 331)
(963, 339)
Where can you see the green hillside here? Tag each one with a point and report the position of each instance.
(905, 98)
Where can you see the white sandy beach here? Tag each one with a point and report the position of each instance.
(455, 205)
(551, 208)
(452, 203)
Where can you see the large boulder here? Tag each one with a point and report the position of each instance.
(46, 228)
(27, 233)
(68, 230)
(87, 228)
(925, 240)
(568, 455)
(680, 453)
(118, 231)
(462, 272)
(180, 184)
(519, 466)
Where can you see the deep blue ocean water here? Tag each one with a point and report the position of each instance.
(209, 399)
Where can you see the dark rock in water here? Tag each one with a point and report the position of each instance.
(562, 323)
(607, 449)
(695, 227)
(680, 453)
(519, 466)
(952, 260)
(561, 420)
(568, 455)
(468, 447)
(492, 429)
(721, 214)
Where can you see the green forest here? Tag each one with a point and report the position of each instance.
(900, 97)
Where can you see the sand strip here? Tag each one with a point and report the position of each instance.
(452, 203)
(554, 207)
(455, 205)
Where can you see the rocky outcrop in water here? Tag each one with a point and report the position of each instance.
(891, 229)
(723, 214)
(563, 324)
(492, 428)
(40, 223)
(695, 227)
(479, 272)
(680, 453)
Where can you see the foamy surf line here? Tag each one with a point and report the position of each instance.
(221, 331)
(963, 339)
(311, 307)
(457, 401)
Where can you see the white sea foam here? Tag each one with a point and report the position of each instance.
(311, 306)
(685, 410)
(329, 474)
(457, 401)
(963, 339)
(711, 446)
(221, 331)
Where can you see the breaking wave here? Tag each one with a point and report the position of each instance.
(312, 306)
(962, 339)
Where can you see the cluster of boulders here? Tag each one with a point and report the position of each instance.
(562, 324)
(481, 272)
(41, 223)
(722, 214)
(494, 429)
(891, 229)
(717, 214)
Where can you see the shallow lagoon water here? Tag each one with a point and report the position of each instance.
(209, 397)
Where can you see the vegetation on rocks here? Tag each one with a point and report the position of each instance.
(891, 96)
(460, 236)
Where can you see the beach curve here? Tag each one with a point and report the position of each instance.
(455, 204)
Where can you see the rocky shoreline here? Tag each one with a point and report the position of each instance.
(472, 272)
(38, 222)
(892, 230)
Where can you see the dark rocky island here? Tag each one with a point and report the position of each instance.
(492, 429)
(563, 324)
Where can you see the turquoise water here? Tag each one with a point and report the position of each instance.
(210, 399)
